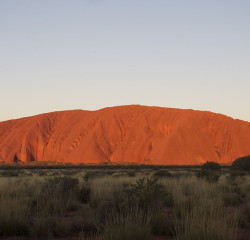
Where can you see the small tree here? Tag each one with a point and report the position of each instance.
(211, 171)
(242, 163)
(211, 166)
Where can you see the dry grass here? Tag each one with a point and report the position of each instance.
(34, 204)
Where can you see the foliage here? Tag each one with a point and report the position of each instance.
(63, 184)
(213, 166)
(211, 171)
(242, 164)
(149, 194)
(210, 176)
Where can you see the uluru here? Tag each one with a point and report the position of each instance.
(130, 134)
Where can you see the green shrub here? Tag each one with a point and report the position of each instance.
(209, 175)
(149, 194)
(145, 196)
(63, 184)
(211, 171)
(211, 166)
(242, 164)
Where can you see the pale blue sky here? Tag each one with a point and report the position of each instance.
(90, 54)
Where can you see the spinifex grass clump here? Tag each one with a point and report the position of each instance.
(36, 207)
(199, 211)
(14, 210)
(127, 222)
(206, 222)
(51, 200)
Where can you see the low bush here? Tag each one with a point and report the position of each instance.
(211, 171)
(209, 175)
(149, 194)
(211, 166)
(63, 184)
(136, 203)
(242, 164)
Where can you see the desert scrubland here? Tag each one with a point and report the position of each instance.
(126, 203)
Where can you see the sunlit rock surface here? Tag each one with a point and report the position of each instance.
(125, 134)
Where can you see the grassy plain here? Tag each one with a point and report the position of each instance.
(123, 204)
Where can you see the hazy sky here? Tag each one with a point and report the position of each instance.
(90, 54)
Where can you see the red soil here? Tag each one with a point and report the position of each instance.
(126, 134)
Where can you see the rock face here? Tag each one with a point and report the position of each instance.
(126, 134)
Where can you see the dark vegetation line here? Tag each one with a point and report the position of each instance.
(111, 167)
